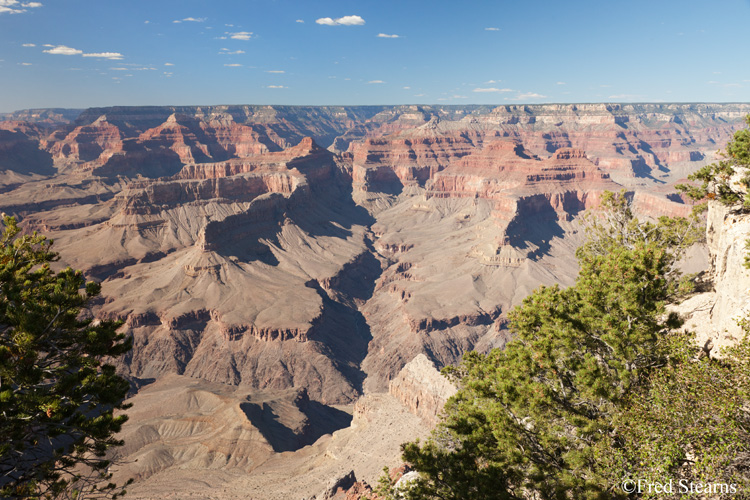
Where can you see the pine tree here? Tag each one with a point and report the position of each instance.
(57, 397)
(728, 179)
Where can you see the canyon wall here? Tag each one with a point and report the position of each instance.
(339, 251)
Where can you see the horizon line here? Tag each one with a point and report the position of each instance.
(454, 105)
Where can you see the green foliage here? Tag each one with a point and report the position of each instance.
(715, 178)
(384, 489)
(566, 410)
(614, 225)
(689, 423)
(57, 399)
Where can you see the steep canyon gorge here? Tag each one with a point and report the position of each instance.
(293, 277)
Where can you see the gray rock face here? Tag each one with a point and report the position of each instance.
(714, 315)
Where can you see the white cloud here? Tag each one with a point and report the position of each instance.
(168, 64)
(383, 35)
(341, 21)
(376, 81)
(115, 56)
(407, 88)
(235, 65)
(559, 83)
(133, 67)
(229, 53)
(491, 29)
(528, 95)
(241, 35)
(419, 95)
(25, 64)
(190, 20)
(64, 51)
(299, 21)
(276, 87)
(14, 7)
(278, 71)
(29, 45)
(491, 89)
(350, 21)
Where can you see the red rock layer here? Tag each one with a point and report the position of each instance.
(87, 143)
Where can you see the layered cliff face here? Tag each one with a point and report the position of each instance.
(20, 154)
(338, 251)
(631, 141)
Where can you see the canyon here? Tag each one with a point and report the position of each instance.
(294, 277)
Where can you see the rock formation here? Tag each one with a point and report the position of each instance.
(421, 388)
(715, 314)
(277, 266)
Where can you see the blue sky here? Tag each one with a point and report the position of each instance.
(81, 53)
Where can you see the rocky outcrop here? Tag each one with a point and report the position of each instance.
(86, 143)
(422, 389)
(338, 487)
(715, 314)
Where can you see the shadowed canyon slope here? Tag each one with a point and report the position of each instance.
(274, 264)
